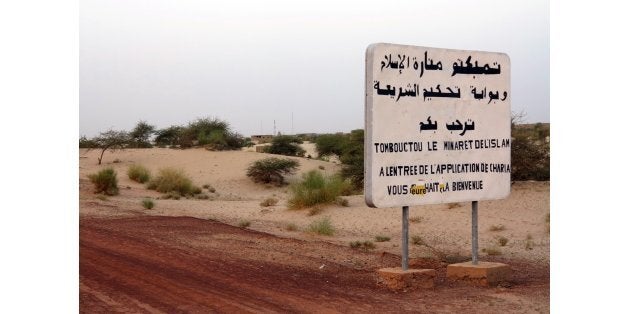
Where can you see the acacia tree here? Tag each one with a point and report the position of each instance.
(141, 134)
(110, 140)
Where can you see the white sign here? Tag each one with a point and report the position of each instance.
(437, 125)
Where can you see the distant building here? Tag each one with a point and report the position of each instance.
(260, 139)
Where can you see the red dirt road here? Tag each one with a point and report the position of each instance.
(154, 264)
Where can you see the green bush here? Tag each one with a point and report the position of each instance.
(148, 203)
(138, 173)
(105, 181)
(381, 238)
(286, 145)
(271, 170)
(212, 133)
(140, 135)
(322, 226)
(331, 144)
(352, 159)
(316, 189)
(529, 150)
(173, 180)
(169, 136)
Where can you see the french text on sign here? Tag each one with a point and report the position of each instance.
(437, 125)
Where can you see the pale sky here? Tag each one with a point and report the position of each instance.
(252, 62)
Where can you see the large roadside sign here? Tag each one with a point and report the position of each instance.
(437, 125)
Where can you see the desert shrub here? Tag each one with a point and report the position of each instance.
(271, 170)
(102, 197)
(138, 173)
(315, 210)
(291, 227)
(173, 180)
(168, 136)
(286, 145)
(269, 202)
(244, 223)
(352, 159)
(497, 228)
(148, 203)
(209, 188)
(365, 245)
(201, 196)
(212, 133)
(381, 238)
(417, 240)
(453, 205)
(171, 195)
(502, 241)
(368, 245)
(322, 226)
(530, 152)
(416, 219)
(105, 181)
(331, 144)
(316, 189)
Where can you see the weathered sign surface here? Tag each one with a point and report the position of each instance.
(437, 125)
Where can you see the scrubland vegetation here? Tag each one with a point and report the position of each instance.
(271, 170)
(173, 180)
(316, 189)
(105, 181)
(322, 226)
(211, 133)
(138, 173)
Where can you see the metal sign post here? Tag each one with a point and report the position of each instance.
(474, 232)
(404, 238)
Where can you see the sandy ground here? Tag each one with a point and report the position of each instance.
(159, 264)
(445, 228)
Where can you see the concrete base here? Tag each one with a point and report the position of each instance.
(397, 279)
(483, 274)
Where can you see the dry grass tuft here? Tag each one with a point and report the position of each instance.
(364, 245)
(497, 228)
(502, 241)
(417, 240)
(269, 202)
(315, 211)
(322, 226)
(148, 203)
